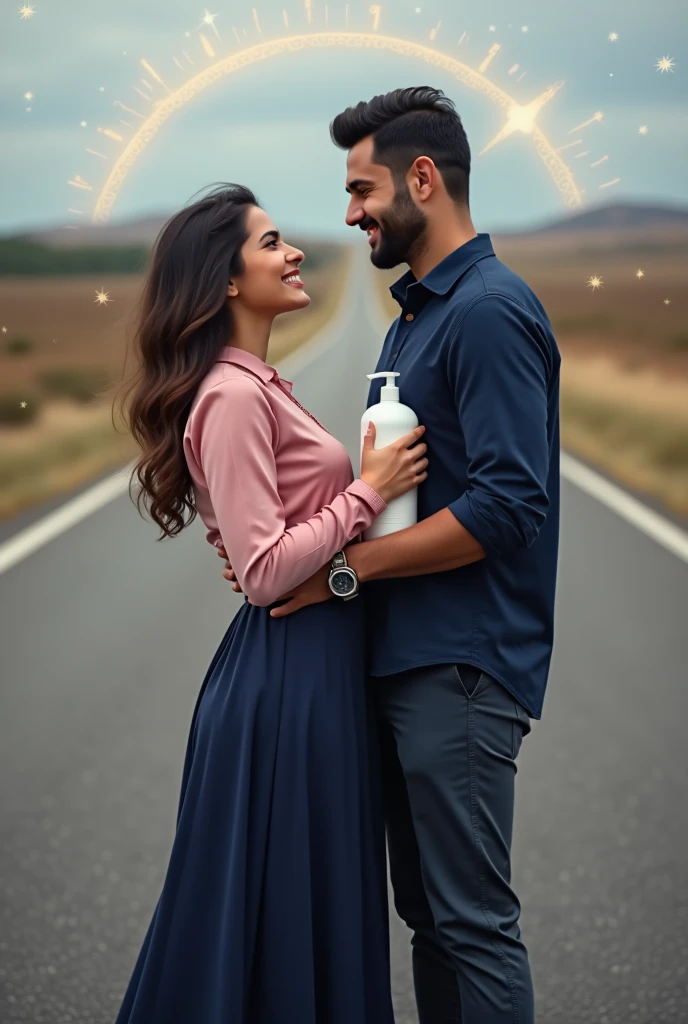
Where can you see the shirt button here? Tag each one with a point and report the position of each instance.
(409, 316)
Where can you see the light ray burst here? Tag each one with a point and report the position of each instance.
(492, 53)
(78, 182)
(591, 120)
(522, 118)
(154, 74)
(209, 19)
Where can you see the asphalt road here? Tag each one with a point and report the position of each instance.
(105, 638)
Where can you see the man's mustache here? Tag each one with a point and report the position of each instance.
(367, 223)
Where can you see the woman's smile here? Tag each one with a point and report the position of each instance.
(293, 279)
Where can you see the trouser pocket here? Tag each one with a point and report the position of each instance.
(470, 679)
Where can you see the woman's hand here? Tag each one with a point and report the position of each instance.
(229, 573)
(397, 468)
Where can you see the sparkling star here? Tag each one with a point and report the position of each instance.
(84, 124)
(639, 273)
(4, 330)
(522, 118)
(613, 36)
(665, 64)
(595, 283)
(27, 11)
(493, 28)
(102, 298)
(524, 28)
(643, 130)
(28, 95)
(418, 10)
(208, 18)
(667, 302)
(23, 405)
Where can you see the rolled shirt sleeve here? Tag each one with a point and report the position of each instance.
(499, 367)
(233, 436)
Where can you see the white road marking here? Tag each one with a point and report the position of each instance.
(34, 537)
(649, 522)
(661, 530)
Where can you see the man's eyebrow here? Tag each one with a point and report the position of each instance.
(355, 185)
(275, 235)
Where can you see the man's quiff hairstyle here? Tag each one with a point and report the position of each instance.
(406, 124)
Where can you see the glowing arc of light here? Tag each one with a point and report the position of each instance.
(557, 168)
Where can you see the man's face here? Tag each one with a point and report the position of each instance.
(382, 208)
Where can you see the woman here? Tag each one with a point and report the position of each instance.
(273, 910)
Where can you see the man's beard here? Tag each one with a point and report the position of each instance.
(401, 228)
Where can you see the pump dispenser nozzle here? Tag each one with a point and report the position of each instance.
(389, 392)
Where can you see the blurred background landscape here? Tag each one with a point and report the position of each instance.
(624, 342)
(611, 273)
(61, 367)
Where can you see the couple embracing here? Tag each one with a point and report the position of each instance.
(363, 687)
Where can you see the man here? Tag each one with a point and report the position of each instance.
(461, 605)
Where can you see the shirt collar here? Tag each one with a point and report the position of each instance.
(252, 363)
(444, 276)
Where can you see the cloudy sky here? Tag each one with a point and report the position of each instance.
(266, 125)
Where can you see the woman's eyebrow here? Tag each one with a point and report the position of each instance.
(275, 235)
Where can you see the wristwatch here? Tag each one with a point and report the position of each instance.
(342, 581)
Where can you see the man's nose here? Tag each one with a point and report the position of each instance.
(354, 214)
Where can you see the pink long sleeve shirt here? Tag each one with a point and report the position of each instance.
(269, 482)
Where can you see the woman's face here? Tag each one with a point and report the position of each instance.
(270, 281)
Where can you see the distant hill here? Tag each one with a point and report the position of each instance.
(108, 249)
(143, 231)
(610, 218)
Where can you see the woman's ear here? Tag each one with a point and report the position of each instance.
(232, 290)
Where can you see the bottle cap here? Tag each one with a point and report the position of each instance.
(389, 392)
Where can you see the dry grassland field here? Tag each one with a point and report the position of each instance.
(624, 396)
(61, 347)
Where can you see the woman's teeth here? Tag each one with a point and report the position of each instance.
(294, 278)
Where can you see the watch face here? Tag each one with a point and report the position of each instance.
(342, 583)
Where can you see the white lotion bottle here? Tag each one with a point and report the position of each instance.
(392, 420)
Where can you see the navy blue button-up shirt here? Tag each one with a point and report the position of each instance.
(480, 367)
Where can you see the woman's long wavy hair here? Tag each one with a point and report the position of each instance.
(184, 320)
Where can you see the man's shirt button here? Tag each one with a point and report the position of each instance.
(409, 316)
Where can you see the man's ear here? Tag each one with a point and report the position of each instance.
(232, 290)
(423, 177)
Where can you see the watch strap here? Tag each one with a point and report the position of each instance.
(339, 561)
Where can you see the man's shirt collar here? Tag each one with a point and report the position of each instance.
(444, 276)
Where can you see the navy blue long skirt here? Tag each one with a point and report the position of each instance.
(274, 907)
